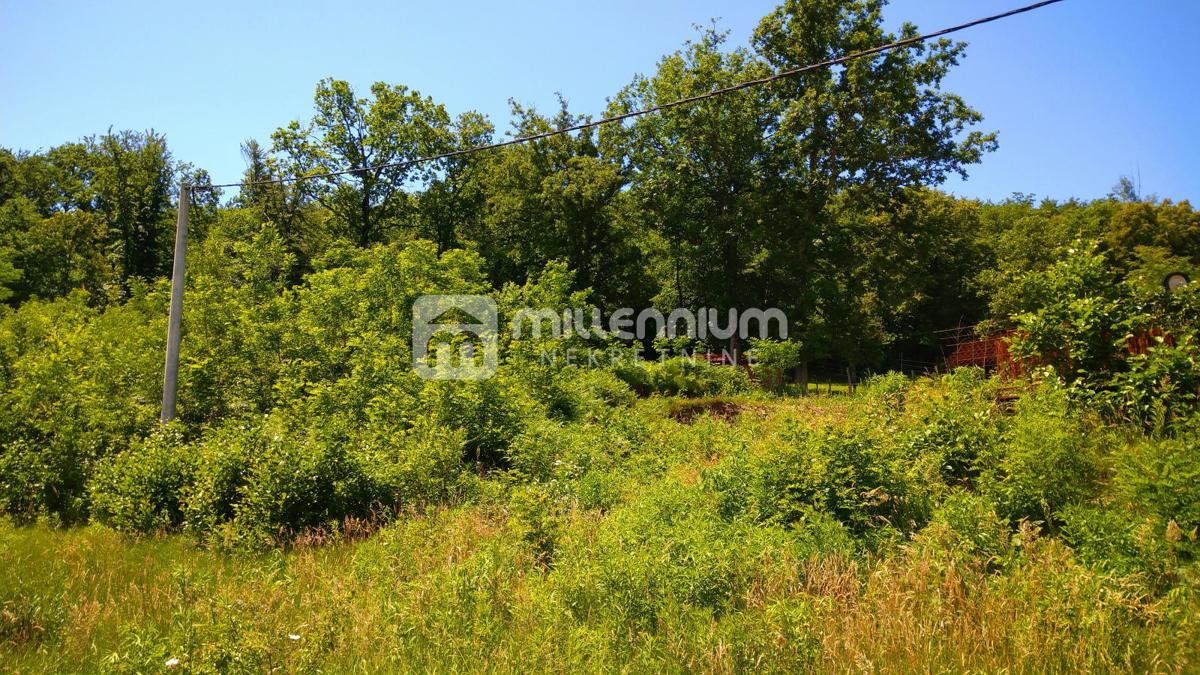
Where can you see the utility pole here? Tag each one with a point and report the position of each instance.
(174, 322)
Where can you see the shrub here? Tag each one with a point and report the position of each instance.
(142, 488)
(1045, 461)
(260, 485)
(843, 472)
(773, 358)
(568, 393)
(597, 394)
(848, 474)
(536, 519)
(684, 376)
(79, 391)
(1158, 385)
(886, 393)
(577, 458)
(489, 412)
(1161, 477)
(417, 467)
(667, 552)
(223, 458)
(297, 484)
(966, 526)
(1107, 538)
(1078, 320)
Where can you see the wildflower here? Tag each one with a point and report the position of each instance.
(293, 636)
(172, 662)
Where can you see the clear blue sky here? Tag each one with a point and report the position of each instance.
(1081, 92)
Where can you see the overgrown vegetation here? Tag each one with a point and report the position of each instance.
(319, 505)
(916, 523)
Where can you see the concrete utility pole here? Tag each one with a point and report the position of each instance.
(171, 369)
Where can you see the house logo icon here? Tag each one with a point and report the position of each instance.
(454, 337)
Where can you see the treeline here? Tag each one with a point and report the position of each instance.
(812, 194)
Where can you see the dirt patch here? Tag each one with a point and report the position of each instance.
(685, 411)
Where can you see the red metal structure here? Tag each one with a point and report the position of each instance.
(965, 346)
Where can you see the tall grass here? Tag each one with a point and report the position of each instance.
(646, 550)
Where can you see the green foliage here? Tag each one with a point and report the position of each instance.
(669, 554)
(597, 395)
(956, 426)
(1080, 325)
(263, 484)
(683, 376)
(298, 484)
(420, 467)
(1159, 477)
(142, 488)
(772, 358)
(1160, 384)
(847, 474)
(79, 385)
(580, 514)
(1109, 539)
(485, 410)
(966, 526)
(1133, 354)
(347, 132)
(1044, 462)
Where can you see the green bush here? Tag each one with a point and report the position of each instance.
(418, 467)
(490, 413)
(966, 526)
(850, 475)
(598, 395)
(1160, 384)
(222, 461)
(683, 376)
(1161, 478)
(885, 394)
(299, 484)
(578, 459)
(259, 485)
(669, 551)
(846, 473)
(772, 358)
(1109, 538)
(1045, 461)
(142, 488)
(1080, 318)
(953, 422)
(79, 386)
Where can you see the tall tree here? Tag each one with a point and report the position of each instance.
(131, 178)
(84, 214)
(698, 171)
(450, 209)
(280, 204)
(372, 137)
(867, 130)
(556, 199)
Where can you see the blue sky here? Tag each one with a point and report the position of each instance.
(1081, 92)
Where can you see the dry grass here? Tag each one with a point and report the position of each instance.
(463, 589)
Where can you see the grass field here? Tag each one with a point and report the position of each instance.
(643, 567)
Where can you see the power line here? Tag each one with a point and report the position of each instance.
(646, 111)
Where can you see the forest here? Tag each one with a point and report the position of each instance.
(316, 505)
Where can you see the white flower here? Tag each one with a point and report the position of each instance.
(293, 636)
(172, 662)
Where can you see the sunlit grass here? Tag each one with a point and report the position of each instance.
(658, 581)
